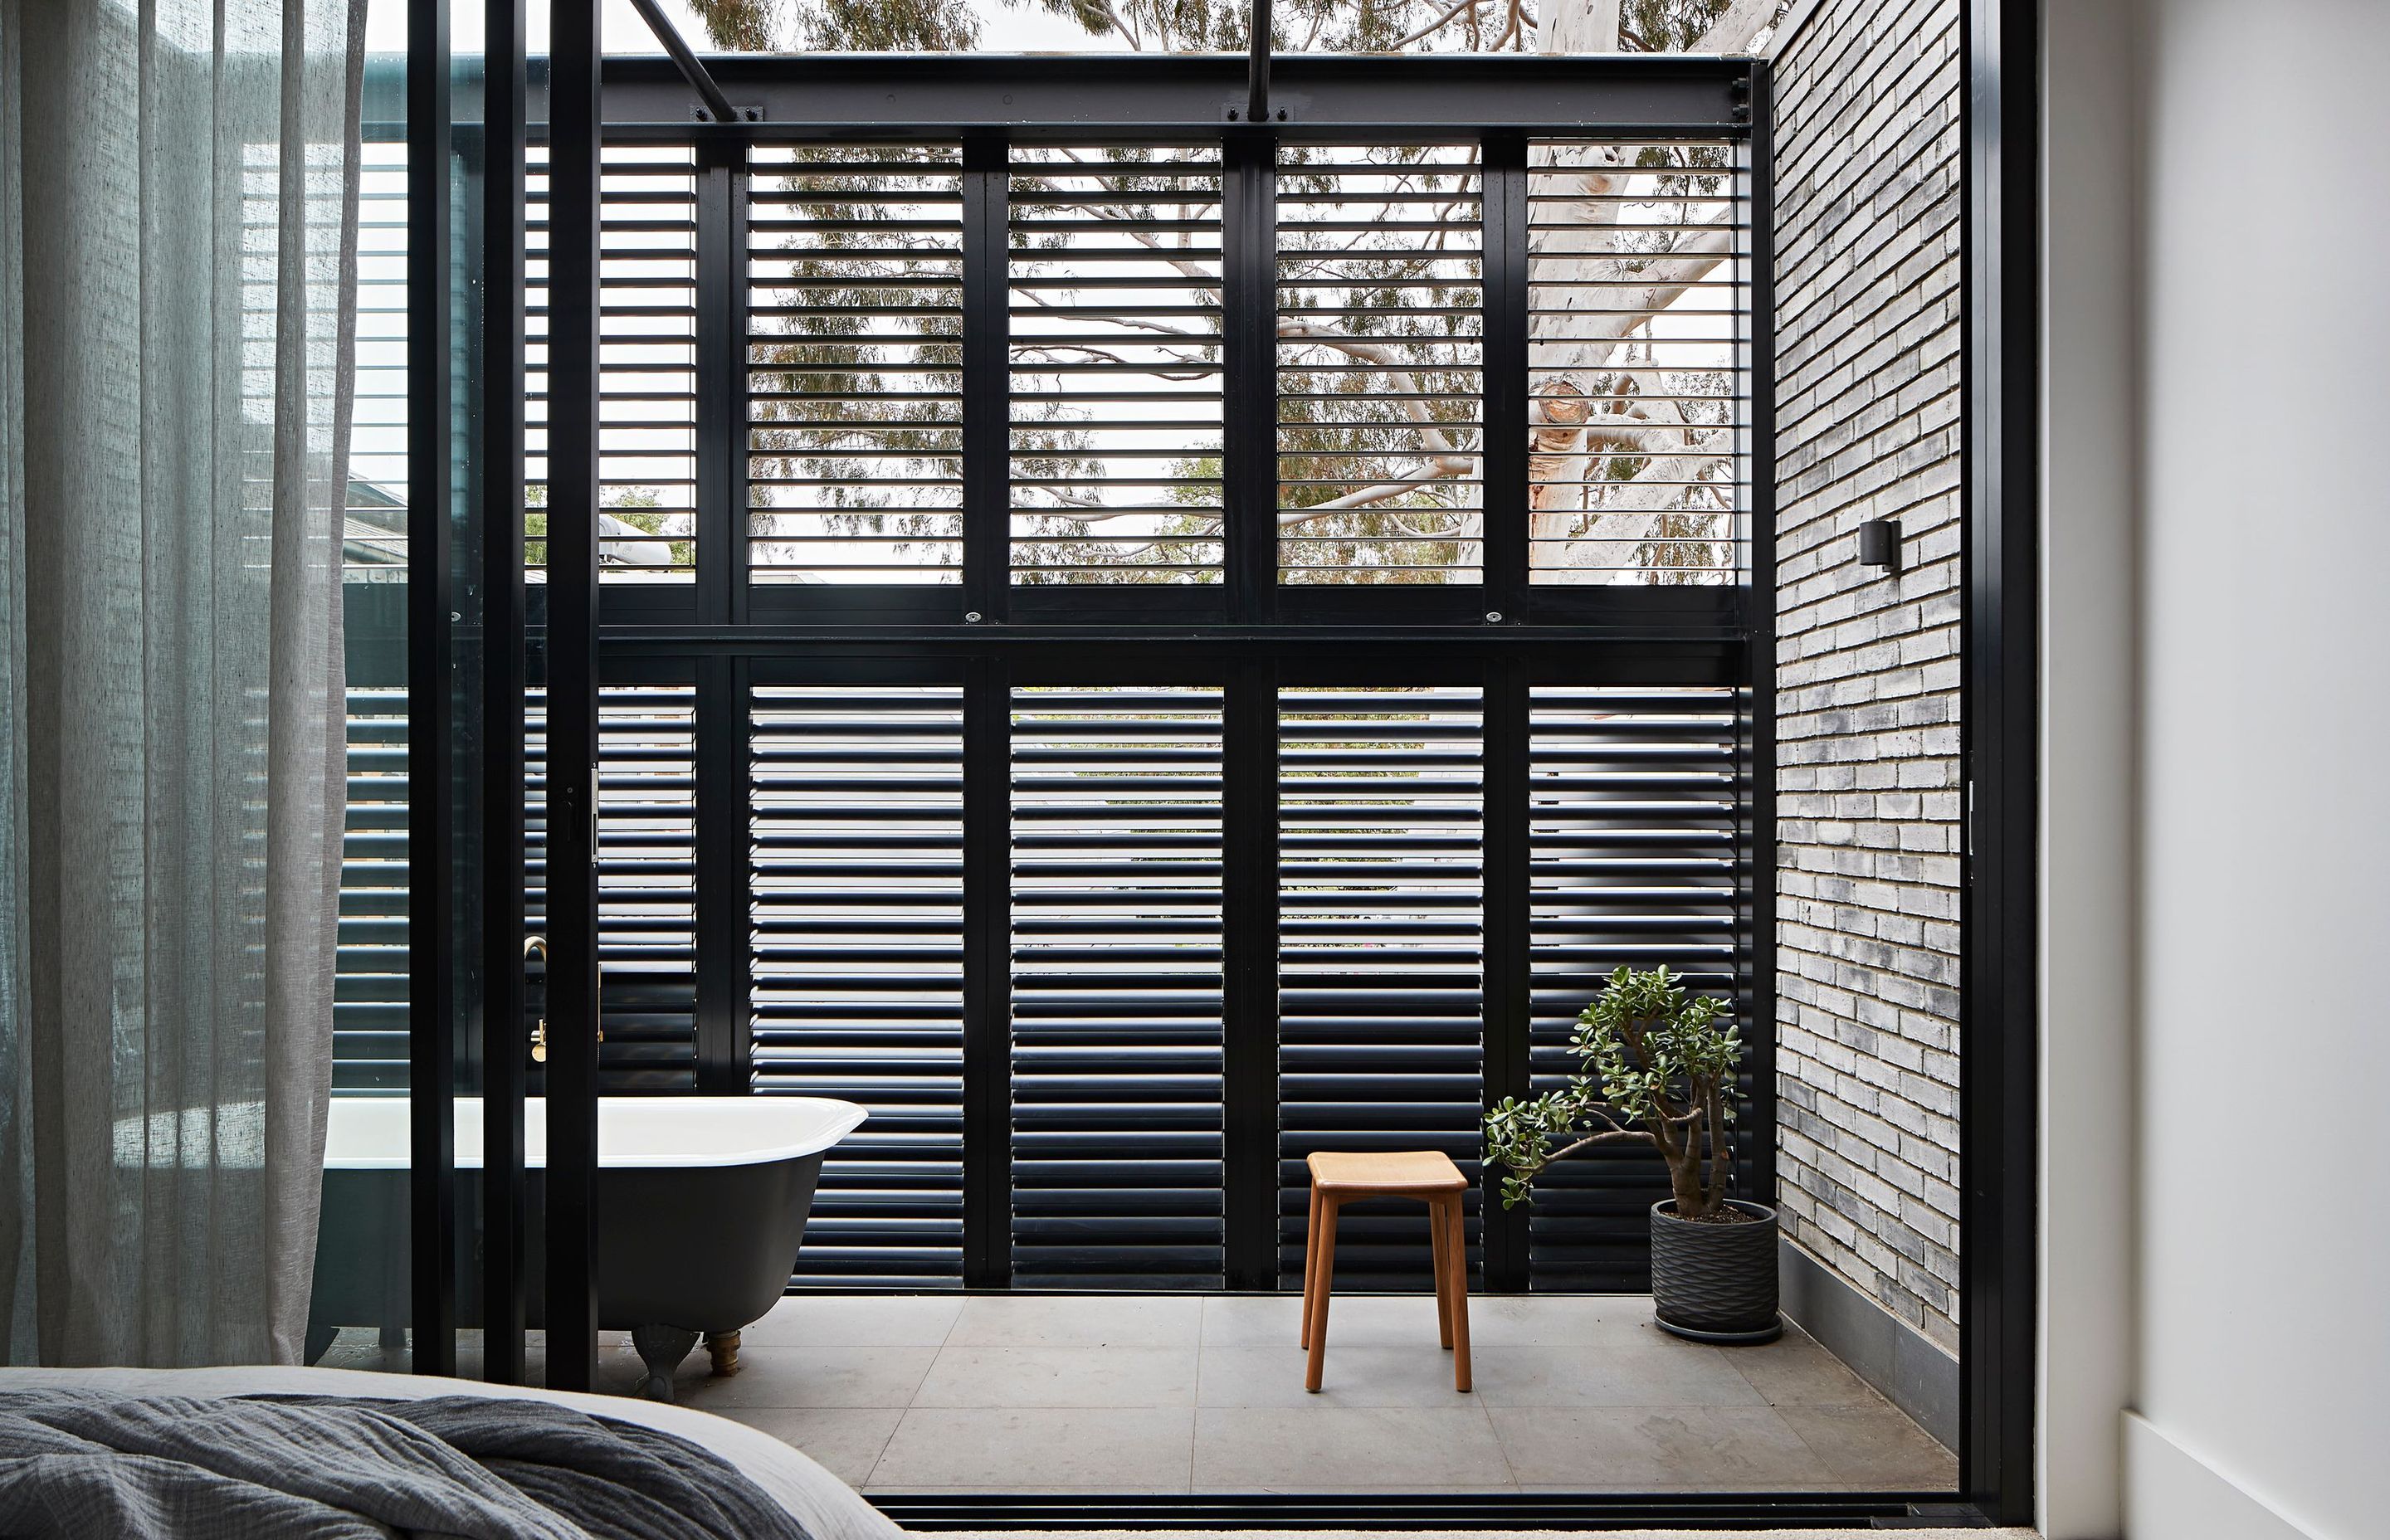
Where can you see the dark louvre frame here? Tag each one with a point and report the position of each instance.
(1136, 647)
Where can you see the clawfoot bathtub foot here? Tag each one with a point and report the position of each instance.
(723, 1346)
(661, 1349)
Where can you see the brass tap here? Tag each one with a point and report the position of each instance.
(539, 1032)
(539, 1029)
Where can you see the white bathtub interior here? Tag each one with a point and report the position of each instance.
(370, 1133)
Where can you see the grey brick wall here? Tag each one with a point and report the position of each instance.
(1868, 784)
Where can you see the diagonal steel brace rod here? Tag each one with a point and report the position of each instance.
(691, 68)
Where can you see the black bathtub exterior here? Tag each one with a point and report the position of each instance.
(689, 1249)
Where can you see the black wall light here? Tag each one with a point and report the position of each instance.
(1880, 544)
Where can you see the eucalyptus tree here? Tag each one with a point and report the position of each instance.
(1631, 465)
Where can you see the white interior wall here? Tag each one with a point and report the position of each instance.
(2088, 753)
(2242, 903)
(2265, 648)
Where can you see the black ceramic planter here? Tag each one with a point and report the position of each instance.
(1716, 1283)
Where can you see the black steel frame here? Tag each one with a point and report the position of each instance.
(1700, 638)
(431, 683)
(2000, 732)
(575, 131)
(504, 1077)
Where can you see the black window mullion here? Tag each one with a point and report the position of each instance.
(1248, 297)
(1249, 890)
(1509, 1010)
(1757, 801)
(724, 1044)
(430, 679)
(1504, 296)
(504, 1067)
(987, 381)
(987, 976)
(721, 378)
(575, 477)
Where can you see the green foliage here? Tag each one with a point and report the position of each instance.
(1374, 490)
(1657, 1065)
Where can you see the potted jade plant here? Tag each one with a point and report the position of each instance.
(1657, 1067)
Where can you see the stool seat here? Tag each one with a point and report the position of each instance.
(1393, 1173)
(1339, 1177)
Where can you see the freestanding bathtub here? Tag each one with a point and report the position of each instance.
(701, 1205)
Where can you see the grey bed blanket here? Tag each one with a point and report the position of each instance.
(78, 1465)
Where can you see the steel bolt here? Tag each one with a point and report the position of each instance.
(1494, 615)
(971, 616)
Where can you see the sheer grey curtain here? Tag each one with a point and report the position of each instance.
(178, 197)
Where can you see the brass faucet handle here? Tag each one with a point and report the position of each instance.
(537, 946)
(539, 1033)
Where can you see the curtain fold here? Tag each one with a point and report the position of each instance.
(178, 263)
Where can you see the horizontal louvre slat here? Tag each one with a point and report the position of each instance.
(646, 883)
(856, 921)
(1115, 327)
(647, 887)
(1116, 987)
(647, 363)
(1380, 364)
(1380, 953)
(369, 991)
(1639, 464)
(1633, 862)
(854, 360)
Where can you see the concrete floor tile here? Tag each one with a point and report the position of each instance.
(1794, 1371)
(1414, 1376)
(1875, 1446)
(1359, 1321)
(1656, 1448)
(1126, 1449)
(783, 1376)
(1351, 1448)
(1060, 1376)
(1662, 1373)
(1558, 1320)
(1085, 1320)
(845, 1441)
(860, 1320)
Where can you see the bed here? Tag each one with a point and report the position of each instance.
(825, 1507)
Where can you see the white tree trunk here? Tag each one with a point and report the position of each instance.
(1572, 352)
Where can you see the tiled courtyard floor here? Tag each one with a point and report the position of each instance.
(1176, 1394)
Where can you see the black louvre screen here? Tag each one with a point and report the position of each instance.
(369, 1015)
(646, 883)
(1381, 950)
(1632, 863)
(1116, 985)
(1137, 651)
(1115, 324)
(856, 912)
(854, 364)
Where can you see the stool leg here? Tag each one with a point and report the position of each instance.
(1324, 1283)
(1457, 1251)
(1310, 1265)
(1441, 1265)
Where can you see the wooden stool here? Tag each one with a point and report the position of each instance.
(1427, 1174)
